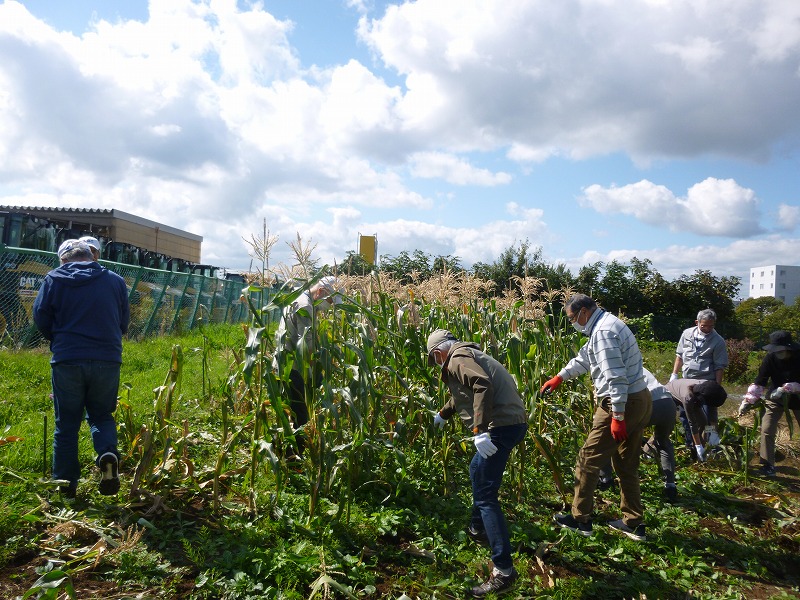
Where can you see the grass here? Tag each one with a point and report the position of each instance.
(730, 535)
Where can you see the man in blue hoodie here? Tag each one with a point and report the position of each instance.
(83, 309)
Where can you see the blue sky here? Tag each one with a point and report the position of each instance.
(664, 130)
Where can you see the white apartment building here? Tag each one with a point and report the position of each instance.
(779, 281)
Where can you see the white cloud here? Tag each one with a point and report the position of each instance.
(777, 34)
(437, 165)
(335, 237)
(524, 153)
(788, 217)
(482, 243)
(205, 111)
(696, 54)
(650, 78)
(722, 207)
(648, 202)
(716, 207)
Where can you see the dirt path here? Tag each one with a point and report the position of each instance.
(787, 447)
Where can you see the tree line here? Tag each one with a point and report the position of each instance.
(635, 289)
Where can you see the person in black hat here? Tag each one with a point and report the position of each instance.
(779, 376)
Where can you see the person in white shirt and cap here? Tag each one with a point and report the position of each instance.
(296, 334)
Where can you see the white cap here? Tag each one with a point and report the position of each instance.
(331, 285)
(69, 245)
(91, 241)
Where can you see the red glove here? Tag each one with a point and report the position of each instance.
(618, 431)
(551, 384)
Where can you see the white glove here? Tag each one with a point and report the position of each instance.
(793, 387)
(673, 377)
(438, 421)
(777, 394)
(754, 393)
(713, 437)
(701, 452)
(483, 442)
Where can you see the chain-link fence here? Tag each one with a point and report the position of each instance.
(162, 302)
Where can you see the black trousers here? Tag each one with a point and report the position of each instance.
(297, 398)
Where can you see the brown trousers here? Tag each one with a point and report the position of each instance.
(774, 410)
(600, 446)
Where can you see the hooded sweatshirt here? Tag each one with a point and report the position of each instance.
(82, 308)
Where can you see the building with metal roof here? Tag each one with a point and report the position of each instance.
(114, 228)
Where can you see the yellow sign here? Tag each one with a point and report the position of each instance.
(368, 248)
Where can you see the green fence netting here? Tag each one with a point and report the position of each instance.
(162, 302)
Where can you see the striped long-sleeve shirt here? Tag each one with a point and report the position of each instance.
(612, 357)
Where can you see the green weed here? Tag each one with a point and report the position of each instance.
(377, 507)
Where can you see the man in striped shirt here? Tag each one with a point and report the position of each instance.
(612, 357)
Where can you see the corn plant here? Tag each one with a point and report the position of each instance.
(376, 394)
(160, 447)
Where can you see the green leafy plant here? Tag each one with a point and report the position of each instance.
(377, 507)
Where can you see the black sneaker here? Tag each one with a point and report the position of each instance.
(569, 522)
(605, 483)
(477, 536)
(649, 451)
(497, 582)
(637, 534)
(670, 493)
(109, 474)
(68, 492)
(767, 470)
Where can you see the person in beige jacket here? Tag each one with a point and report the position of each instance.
(484, 395)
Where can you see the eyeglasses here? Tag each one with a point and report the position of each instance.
(574, 317)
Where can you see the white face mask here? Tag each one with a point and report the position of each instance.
(576, 325)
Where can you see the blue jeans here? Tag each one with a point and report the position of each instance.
(83, 388)
(486, 475)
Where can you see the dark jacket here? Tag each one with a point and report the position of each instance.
(780, 371)
(679, 388)
(82, 308)
(482, 391)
